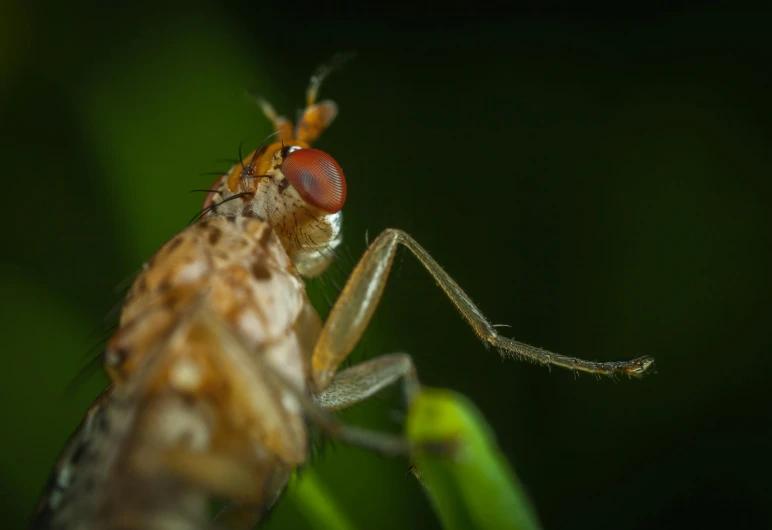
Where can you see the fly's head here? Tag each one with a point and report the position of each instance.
(298, 190)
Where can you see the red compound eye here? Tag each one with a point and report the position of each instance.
(317, 177)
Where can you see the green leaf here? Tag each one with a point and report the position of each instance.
(468, 480)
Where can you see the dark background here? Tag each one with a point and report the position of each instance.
(601, 183)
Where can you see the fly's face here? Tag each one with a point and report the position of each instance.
(296, 189)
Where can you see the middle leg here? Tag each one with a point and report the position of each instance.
(360, 382)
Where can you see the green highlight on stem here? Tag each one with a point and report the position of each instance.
(316, 504)
(467, 478)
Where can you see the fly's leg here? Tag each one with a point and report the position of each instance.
(359, 382)
(349, 387)
(326, 422)
(360, 296)
(244, 515)
(244, 486)
(385, 444)
(221, 474)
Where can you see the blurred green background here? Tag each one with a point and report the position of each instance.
(601, 183)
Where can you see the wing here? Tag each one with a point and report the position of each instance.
(201, 418)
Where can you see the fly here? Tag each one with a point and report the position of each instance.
(220, 360)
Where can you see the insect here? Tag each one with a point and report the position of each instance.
(220, 361)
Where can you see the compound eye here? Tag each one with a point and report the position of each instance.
(317, 177)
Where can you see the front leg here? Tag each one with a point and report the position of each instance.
(357, 302)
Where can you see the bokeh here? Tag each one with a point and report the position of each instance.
(599, 183)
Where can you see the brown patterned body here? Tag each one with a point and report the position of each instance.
(189, 418)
